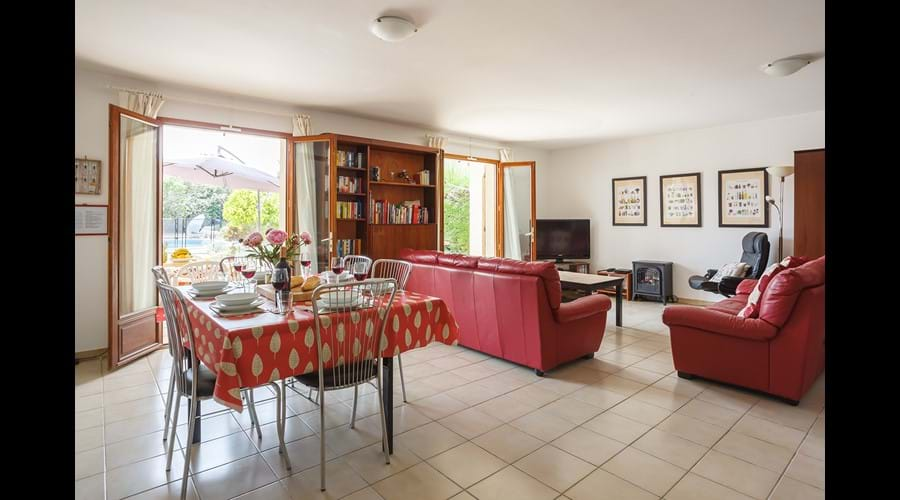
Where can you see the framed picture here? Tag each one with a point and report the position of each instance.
(742, 198)
(87, 176)
(679, 200)
(630, 201)
(91, 220)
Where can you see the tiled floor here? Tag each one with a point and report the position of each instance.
(619, 426)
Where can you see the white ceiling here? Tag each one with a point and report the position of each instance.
(546, 73)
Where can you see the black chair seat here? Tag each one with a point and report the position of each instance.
(359, 371)
(206, 381)
(702, 283)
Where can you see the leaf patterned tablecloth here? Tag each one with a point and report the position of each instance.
(252, 350)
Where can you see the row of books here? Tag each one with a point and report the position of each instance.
(408, 212)
(348, 247)
(349, 184)
(350, 210)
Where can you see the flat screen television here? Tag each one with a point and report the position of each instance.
(561, 239)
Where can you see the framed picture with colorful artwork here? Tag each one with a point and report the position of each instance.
(679, 200)
(87, 176)
(630, 201)
(742, 198)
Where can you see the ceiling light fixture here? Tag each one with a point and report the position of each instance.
(786, 66)
(392, 28)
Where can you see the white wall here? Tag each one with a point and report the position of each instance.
(92, 99)
(580, 186)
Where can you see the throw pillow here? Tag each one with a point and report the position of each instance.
(738, 269)
(751, 310)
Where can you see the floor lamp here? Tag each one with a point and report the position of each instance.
(780, 172)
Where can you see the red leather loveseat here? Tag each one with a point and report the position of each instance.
(509, 308)
(781, 352)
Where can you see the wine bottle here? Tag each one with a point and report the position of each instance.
(283, 263)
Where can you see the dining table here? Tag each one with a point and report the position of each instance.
(258, 348)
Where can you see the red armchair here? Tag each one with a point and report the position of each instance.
(511, 309)
(781, 352)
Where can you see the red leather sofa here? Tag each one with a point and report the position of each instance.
(509, 308)
(781, 352)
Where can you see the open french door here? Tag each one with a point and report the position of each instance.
(312, 167)
(516, 210)
(135, 201)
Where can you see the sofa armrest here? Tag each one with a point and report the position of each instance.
(718, 322)
(583, 307)
(746, 286)
(728, 285)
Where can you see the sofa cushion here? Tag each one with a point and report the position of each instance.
(751, 310)
(779, 298)
(722, 323)
(419, 256)
(731, 305)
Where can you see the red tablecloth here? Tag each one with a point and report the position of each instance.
(252, 350)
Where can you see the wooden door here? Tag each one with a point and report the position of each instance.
(135, 202)
(516, 210)
(313, 200)
(809, 203)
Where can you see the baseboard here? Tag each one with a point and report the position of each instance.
(93, 353)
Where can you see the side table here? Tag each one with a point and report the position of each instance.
(626, 284)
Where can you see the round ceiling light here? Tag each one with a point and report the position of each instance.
(785, 67)
(392, 28)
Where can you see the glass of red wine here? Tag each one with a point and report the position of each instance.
(249, 271)
(238, 264)
(337, 267)
(305, 263)
(281, 282)
(360, 270)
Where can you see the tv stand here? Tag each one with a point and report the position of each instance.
(573, 265)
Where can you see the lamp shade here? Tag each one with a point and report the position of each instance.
(392, 28)
(785, 67)
(781, 171)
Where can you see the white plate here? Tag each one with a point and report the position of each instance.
(234, 299)
(208, 293)
(209, 285)
(219, 307)
(340, 300)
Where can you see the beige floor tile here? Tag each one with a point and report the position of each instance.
(639, 411)
(543, 425)
(664, 399)
(90, 488)
(470, 423)
(559, 386)
(438, 406)
(601, 485)
(617, 427)
(813, 446)
(88, 439)
(512, 483)
(729, 398)
(213, 427)
(785, 414)
(694, 487)
(689, 388)
(736, 474)
(88, 418)
(671, 448)
(771, 432)
(641, 375)
(600, 397)
(369, 462)
(131, 409)
(209, 454)
(364, 494)
(130, 393)
(506, 408)
(421, 481)
(621, 357)
(304, 453)
(340, 481)
(757, 452)
(169, 491)
(445, 381)
(234, 478)
(572, 410)
(343, 439)
(554, 467)
(407, 418)
(791, 489)
(621, 385)
(135, 427)
(463, 495)
(448, 363)
(429, 440)
(136, 449)
(807, 470)
(272, 491)
(508, 443)
(88, 402)
(466, 464)
(141, 476)
(89, 463)
(336, 414)
(534, 395)
(692, 429)
(588, 445)
(644, 470)
(112, 384)
(294, 429)
(710, 413)
(475, 393)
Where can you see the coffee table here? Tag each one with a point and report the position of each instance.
(590, 283)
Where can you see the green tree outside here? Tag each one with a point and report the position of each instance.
(456, 209)
(185, 199)
(240, 210)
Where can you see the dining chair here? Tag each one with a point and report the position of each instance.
(161, 276)
(198, 271)
(398, 270)
(350, 324)
(262, 266)
(196, 382)
(349, 260)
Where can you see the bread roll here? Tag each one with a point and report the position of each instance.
(311, 283)
(296, 281)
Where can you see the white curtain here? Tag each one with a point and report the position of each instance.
(512, 247)
(505, 154)
(436, 141)
(305, 190)
(145, 103)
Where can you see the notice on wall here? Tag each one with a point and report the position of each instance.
(91, 220)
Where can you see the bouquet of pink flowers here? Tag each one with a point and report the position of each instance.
(268, 248)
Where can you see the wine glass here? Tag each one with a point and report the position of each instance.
(281, 281)
(305, 263)
(337, 267)
(249, 271)
(238, 264)
(360, 270)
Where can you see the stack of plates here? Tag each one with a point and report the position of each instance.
(237, 303)
(203, 289)
(341, 300)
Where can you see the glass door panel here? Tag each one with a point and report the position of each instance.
(464, 207)
(517, 210)
(312, 199)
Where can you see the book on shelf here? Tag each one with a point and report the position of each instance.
(347, 184)
(350, 210)
(348, 247)
(407, 212)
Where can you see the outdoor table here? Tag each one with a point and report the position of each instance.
(252, 350)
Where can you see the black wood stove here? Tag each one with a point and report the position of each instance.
(652, 279)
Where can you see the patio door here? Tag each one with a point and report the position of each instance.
(134, 202)
(312, 199)
(516, 210)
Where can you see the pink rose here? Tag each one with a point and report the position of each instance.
(305, 238)
(253, 239)
(276, 236)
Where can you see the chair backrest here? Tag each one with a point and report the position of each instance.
(226, 268)
(198, 271)
(349, 260)
(178, 328)
(350, 327)
(755, 247)
(159, 272)
(392, 268)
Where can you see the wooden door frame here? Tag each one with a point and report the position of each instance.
(500, 170)
(475, 159)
